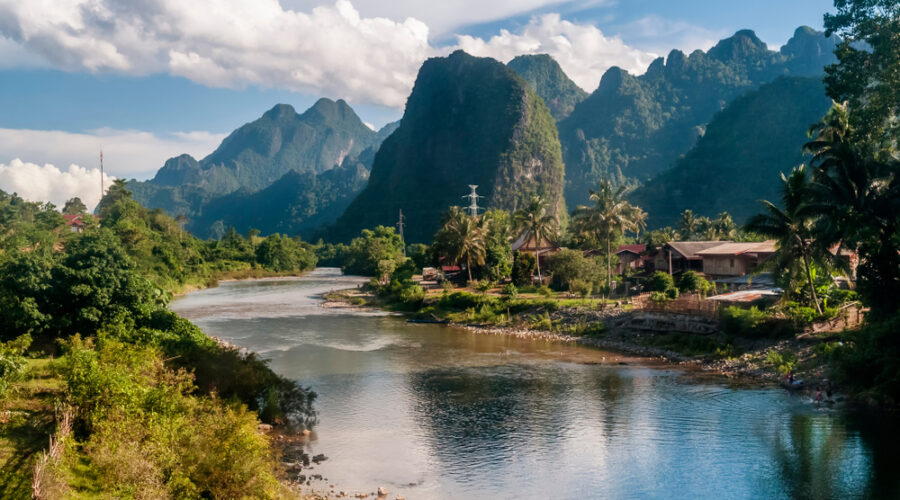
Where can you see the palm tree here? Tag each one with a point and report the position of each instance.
(610, 216)
(462, 238)
(534, 221)
(856, 194)
(688, 225)
(791, 227)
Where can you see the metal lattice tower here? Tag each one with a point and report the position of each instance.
(473, 207)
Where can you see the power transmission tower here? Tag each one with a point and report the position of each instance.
(473, 207)
(400, 225)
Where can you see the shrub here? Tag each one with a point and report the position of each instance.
(660, 282)
(783, 362)
(12, 361)
(741, 322)
(692, 282)
(581, 287)
(523, 268)
(672, 293)
(544, 291)
(510, 290)
(483, 286)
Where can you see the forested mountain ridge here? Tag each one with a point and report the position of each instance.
(468, 121)
(549, 81)
(740, 158)
(256, 155)
(633, 127)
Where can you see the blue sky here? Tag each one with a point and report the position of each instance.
(152, 82)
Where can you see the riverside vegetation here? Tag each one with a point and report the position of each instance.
(140, 402)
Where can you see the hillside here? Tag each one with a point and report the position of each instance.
(633, 127)
(260, 153)
(468, 121)
(543, 73)
(739, 159)
(297, 203)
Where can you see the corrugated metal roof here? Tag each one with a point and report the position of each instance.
(739, 248)
(689, 249)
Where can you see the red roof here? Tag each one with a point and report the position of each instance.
(449, 269)
(73, 219)
(635, 249)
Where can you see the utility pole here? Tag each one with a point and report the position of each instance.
(400, 225)
(473, 207)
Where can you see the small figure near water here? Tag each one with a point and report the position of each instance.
(818, 395)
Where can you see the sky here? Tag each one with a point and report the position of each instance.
(149, 80)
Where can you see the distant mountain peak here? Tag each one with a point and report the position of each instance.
(547, 78)
(280, 112)
(742, 44)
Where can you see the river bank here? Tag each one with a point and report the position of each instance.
(742, 361)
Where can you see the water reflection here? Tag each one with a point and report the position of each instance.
(472, 416)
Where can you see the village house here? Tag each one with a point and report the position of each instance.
(74, 222)
(734, 259)
(631, 257)
(545, 249)
(677, 257)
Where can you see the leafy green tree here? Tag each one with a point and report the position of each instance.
(95, 285)
(523, 268)
(371, 247)
(690, 281)
(660, 282)
(609, 218)
(689, 225)
(791, 227)
(74, 206)
(498, 259)
(420, 254)
(866, 73)
(280, 253)
(535, 222)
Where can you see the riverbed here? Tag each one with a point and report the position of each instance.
(432, 411)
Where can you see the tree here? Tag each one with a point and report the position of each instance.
(74, 206)
(535, 222)
(462, 239)
(855, 196)
(791, 227)
(725, 227)
(371, 247)
(688, 226)
(118, 191)
(866, 72)
(609, 217)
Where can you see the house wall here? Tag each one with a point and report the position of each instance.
(725, 265)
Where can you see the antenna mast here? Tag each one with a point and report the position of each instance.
(101, 173)
(400, 225)
(473, 207)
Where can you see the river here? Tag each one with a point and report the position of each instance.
(431, 411)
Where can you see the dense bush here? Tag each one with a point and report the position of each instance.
(752, 323)
(144, 434)
(523, 269)
(690, 281)
(510, 290)
(12, 362)
(660, 282)
(868, 361)
(371, 247)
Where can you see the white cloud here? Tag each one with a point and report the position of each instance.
(48, 183)
(227, 43)
(446, 15)
(659, 35)
(127, 153)
(582, 50)
(331, 50)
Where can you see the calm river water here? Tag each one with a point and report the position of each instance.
(463, 415)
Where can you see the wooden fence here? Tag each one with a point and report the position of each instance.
(688, 303)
